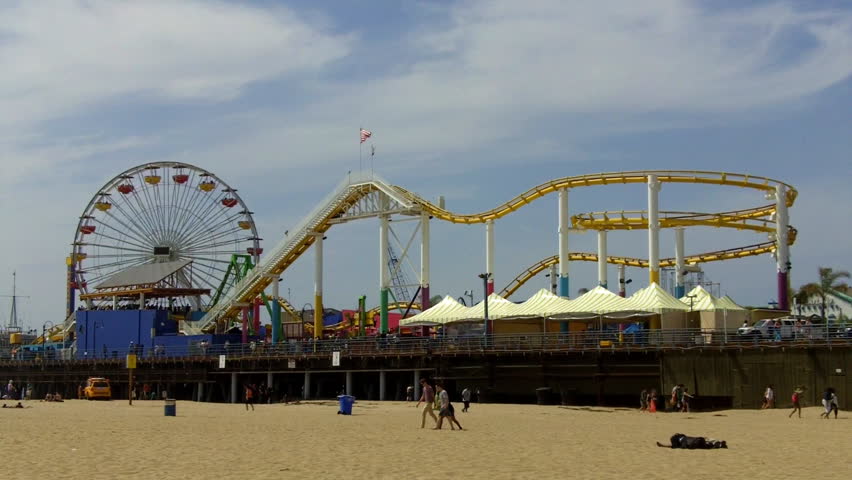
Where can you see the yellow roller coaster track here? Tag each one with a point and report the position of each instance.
(719, 255)
(600, 179)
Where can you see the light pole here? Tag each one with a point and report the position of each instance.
(44, 338)
(485, 277)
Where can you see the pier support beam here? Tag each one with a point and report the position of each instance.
(348, 382)
(382, 384)
(417, 384)
(602, 257)
(782, 246)
(424, 260)
(306, 388)
(680, 289)
(653, 229)
(234, 380)
(200, 392)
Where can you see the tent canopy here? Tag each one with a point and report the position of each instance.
(654, 299)
(498, 307)
(447, 310)
(542, 304)
(598, 301)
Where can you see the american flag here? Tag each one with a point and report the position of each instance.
(365, 134)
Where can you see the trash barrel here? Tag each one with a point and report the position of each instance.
(543, 395)
(170, 408)
(346, 402)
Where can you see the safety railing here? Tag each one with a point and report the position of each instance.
(641, 340)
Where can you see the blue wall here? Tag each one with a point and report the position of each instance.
(111, 331)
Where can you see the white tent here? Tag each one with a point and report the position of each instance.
(672, 313)
(542, 304)
(599, 301)
(447, 310)
(715, 313)
(498, 307)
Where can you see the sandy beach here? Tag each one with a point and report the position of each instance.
(107, 440)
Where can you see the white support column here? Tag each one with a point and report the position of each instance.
(417, 384)
(424, 260)
(489, 255)
(602, 257)
(306, 387)
(348, 382)
(141, 301)
(622, 287)
(564, 226)
(653, 229)
(782, 245)
(679, 263)
(384, 273)
(382, 384)
(270, 381)
(114, 302)
(554, 279)
(318, 305)
(234, 380)
(200, 391)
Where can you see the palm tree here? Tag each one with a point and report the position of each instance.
(828, 281)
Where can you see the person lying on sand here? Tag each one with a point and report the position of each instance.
(680, 440)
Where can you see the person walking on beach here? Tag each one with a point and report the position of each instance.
(769, 397)
(428, 398)
(643, 400)
(447, 410)
(249, 397)
(797, 405)
(829, 403)
(409, 393)
(685, 399)
(466, 399)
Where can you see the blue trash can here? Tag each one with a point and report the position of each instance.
(346, 402)
(170, 408)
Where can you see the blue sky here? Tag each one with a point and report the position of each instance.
(476, 101)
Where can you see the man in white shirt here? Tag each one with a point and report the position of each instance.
(466, 399)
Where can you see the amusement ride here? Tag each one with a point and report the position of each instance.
(167, 213)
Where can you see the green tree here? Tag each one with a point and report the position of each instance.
(828, 281)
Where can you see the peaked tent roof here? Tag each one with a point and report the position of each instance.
(542, 304)
(728, 303)
(654, 299)
(498, 307)
(447, 310)
(147, 274)
(600, 300)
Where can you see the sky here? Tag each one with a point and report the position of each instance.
(475, 101)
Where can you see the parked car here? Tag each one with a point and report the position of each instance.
(766, 328)
(97, 388)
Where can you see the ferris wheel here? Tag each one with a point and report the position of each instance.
(162, 212)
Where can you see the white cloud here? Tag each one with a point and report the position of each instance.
(58, 56)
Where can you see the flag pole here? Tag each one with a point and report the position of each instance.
(360, 151)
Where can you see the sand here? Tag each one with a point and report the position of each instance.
(107, 440)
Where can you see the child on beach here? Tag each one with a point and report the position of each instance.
(797, 398)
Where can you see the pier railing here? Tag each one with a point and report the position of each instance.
(599, 341)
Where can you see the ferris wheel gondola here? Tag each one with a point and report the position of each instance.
(162, 212)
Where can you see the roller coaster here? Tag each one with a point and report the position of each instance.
(370, 196)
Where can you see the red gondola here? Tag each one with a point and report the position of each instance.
(87, 229)
(254, 251)
(125, 188)
(180, 178)
(229, 202)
